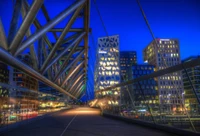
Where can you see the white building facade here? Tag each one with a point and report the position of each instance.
(107, 70)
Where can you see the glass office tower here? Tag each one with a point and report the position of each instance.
(127, 59)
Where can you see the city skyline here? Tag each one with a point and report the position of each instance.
(168, 19)
(130, 25)
(176, 22)
(69, 61)
(137, 29)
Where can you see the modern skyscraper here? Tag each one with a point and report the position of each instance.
(191, 95)
(145, 91)
(127, 59)
(107, 71)
(166, 53)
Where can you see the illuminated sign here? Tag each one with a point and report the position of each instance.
(164, 39)
(103, 52)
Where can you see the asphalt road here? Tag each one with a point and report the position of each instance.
(82, 121)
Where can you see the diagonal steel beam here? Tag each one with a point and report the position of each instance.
(25, 25)
(44, 54)
(46, 39)
(70, 38)
(78, 49)
(73, 78)
(14, 21)
(80, 90)
(70, 30)
(3, 41)
(77, 81)
(44, 10)
(34, 56)
(62, 36)
(12, 61)
(81, 95)
(37, 24)
(64, 65)
(77, 40)
(63, 76)
(48, 26)
(86, 29)
(55, 69)
(70, 74)
(40, 51)
(76, 86)
(44, 50)
(71, 70)
(32, 48)
(66, 68)
(49, 74)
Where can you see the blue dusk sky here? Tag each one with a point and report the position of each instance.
(168, 19)
(178, 19)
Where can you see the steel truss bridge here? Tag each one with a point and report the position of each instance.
(61, 65)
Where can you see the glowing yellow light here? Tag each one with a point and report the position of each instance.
(116, 93)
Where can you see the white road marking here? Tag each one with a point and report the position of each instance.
(69, 124)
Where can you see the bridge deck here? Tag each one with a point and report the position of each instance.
(82, 121)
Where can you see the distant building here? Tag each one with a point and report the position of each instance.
(4, 78)
(127, 59)
(145, 91)
(107, 71)
(170, 86)
(4, 73)
(23, 80)
(191, 102)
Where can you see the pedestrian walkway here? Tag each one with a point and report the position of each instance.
(82, 121)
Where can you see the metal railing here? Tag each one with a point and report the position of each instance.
(177, 110)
